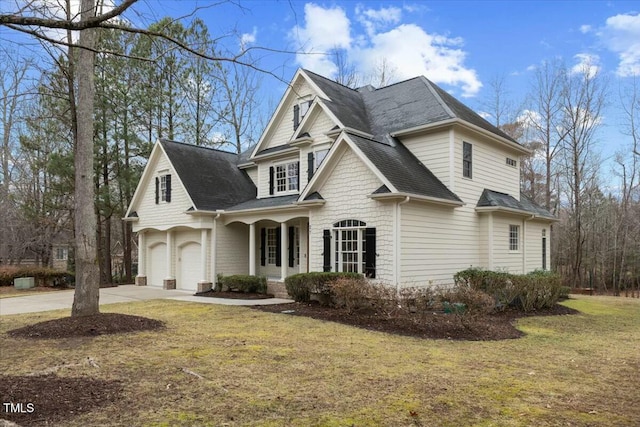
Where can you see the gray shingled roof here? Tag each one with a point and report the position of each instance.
(268, 202)
(211, 177)
(346, 103)
(490, 198)
(403, 170)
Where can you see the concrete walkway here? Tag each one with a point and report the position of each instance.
(125, 293)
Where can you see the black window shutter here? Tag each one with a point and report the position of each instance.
(310, 166)
(278, 247)
(298, 169)
(292, 244)
(157, 190)
(370, 254)
(326, 236)
(296, 116)
(168, 189)
(271, 176)
(263, 247)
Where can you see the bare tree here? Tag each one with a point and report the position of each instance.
(582, 104)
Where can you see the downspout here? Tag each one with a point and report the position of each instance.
(214, 246)
(397, 241)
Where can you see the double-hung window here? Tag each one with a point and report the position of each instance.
(272, 245)
(514, 238)
(353, 248)
(163, 188)
(467, 160)
(287, 177)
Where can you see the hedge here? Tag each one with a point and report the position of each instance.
(244, 283)
(527, 292)
(43, 275)
(301, 286)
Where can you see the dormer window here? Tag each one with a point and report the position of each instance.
(300, 110)
(163, 188)
(284, 178)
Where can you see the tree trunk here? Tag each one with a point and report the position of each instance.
(87, 292)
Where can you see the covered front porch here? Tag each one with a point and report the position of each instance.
(278, 243)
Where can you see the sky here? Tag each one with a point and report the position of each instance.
(460, 45)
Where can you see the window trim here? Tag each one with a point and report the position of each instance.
(272, 233)
(286, 164)
(337, 251)
(514, 238)
(468, 161)
(163, 187)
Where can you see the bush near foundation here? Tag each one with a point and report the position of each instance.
(527, 292)
(243, 283)
(301, 286)
(43, 276)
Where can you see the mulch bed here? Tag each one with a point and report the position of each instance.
(233, 295)
(48, 400)
(436, 325)
(87, 326)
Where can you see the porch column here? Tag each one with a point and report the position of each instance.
(252, 249)
(204, 284)
(141, 278)
(169, 282)
(284, 253)
(204, 246)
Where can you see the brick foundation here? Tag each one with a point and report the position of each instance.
(141, 280)
(169, 284)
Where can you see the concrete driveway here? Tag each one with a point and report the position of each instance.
(125, 293)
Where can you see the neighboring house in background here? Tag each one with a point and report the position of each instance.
(403, 183)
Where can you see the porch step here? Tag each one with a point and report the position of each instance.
(278, 289)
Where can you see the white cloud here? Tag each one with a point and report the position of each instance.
(248, 38)
(584, 29)
(324, 30)
(621, 34)
(407, 48)
(373, 20)
(586, 63)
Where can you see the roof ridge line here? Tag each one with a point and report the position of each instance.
(435, 93)
(198, 146)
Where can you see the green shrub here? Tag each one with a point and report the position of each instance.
(527, 292)
(243, 283)
(44, 276)
(301, 286)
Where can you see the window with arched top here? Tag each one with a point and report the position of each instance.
(353, 248)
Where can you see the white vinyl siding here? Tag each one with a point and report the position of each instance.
(165, 215)
(232, 254)
(504, 259)
(436, 242)
(281, 129)
(433, 151)
(533, 242)
(253, 174)
(342, 203)
(489, 170)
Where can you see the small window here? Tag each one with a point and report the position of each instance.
(272, 245)
(512, 162)
(62, 253)
(163, 188)
(514, 237)
(299, 111)
(467, 160)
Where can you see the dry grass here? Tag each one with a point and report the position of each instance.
(277, 370)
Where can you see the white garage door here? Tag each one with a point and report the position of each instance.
(188, 266)
(157, 265)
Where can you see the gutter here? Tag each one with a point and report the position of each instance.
(531, 216)
(436, 200)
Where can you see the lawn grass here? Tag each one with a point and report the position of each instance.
(276, 370)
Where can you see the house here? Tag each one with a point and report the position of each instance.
(404, 184)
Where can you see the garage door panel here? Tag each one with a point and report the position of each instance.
(189, 267)
(157, 269)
